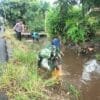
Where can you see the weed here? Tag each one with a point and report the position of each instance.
(19, 77)
(73, 91)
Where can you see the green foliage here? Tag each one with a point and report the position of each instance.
(53, 22)
(75, 13)
(22, 82)
(89, 4)
(27, 11)
(21, 97)
(20, 78)
(75, 30)
(76, 34)
(56, 19)
(89, 24)
(68, 21)
(92, 21)
(73, 91)
(24, 57)
(79, 29)
(44, 6)
(37, 25)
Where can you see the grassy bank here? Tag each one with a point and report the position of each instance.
(19, 77)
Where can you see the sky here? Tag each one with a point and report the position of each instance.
(51, 1)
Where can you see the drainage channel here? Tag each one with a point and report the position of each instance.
(4, 56)
(3, 51)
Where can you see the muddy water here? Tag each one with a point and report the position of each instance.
(73, 67)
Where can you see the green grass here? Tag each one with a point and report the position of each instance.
(20, 78)
(98, 56)
(75, 94)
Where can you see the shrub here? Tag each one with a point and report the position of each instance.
(75, 32)
(53, 22)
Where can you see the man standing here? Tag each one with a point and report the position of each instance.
(19, 28)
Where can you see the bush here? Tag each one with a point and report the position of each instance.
(53, 22)
(73, 91)
(75, 32)
(28, 12)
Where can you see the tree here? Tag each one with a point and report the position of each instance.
(89, 4)
(57, 23)
(28, 11)
(44, 6)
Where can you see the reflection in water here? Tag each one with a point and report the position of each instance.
(90, 67)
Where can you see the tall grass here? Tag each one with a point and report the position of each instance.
(75, 94)
(19, 77)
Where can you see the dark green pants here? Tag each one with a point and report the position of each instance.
(18, 35)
